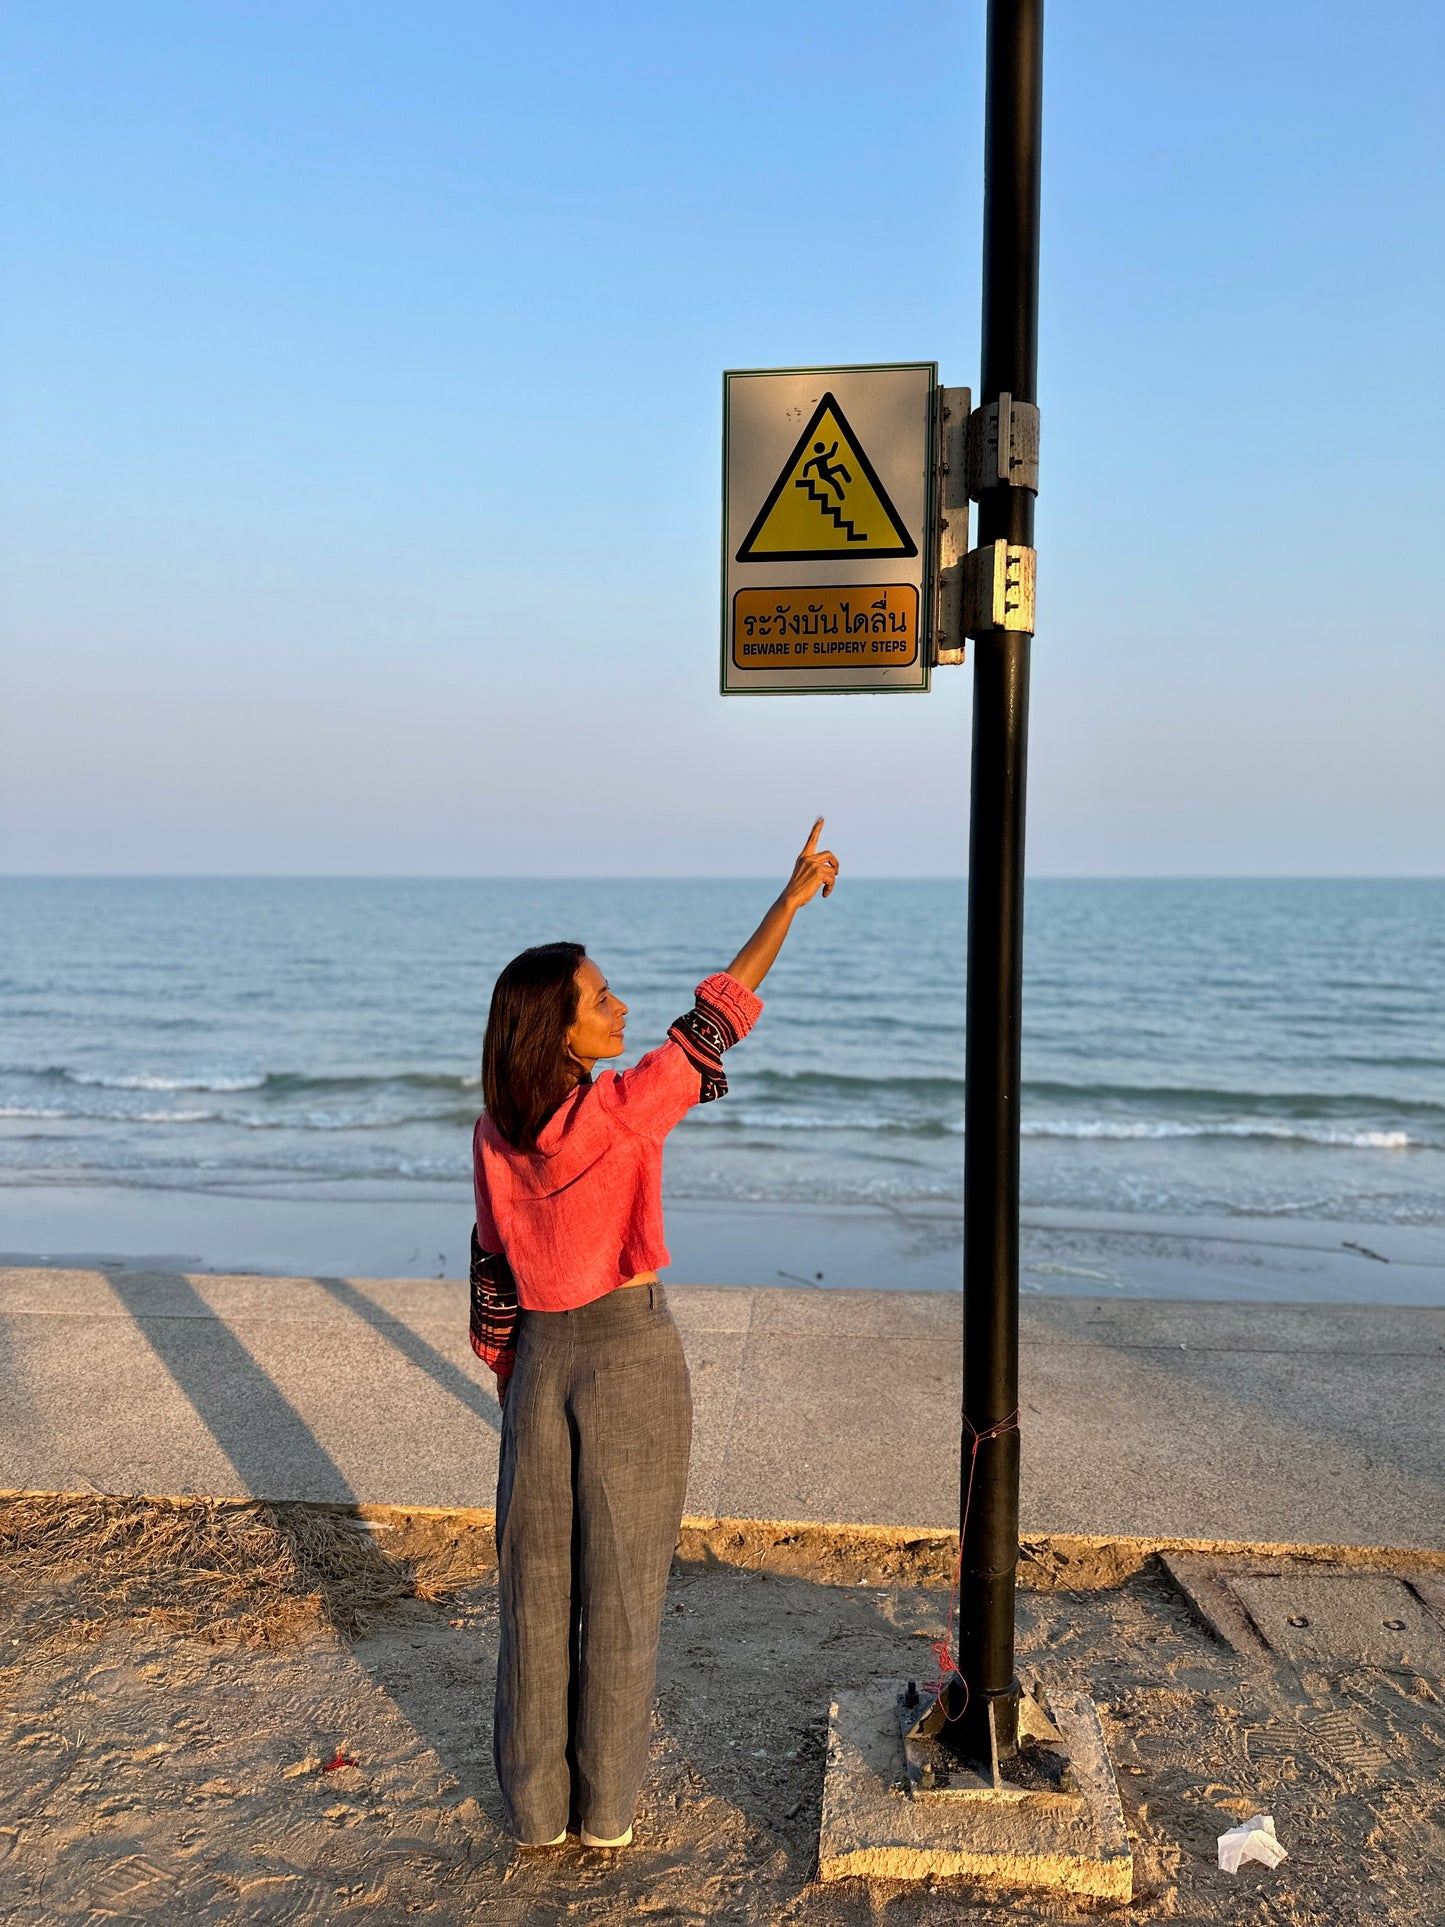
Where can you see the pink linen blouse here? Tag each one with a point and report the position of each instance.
(583, 1213)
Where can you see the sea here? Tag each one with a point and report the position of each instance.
(1261, 1050)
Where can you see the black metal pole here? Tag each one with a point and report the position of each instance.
(987, 1695)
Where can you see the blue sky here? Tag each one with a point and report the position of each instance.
(361, 388)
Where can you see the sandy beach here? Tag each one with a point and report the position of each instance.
(244, 1713)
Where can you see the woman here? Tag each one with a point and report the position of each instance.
(568, 1311)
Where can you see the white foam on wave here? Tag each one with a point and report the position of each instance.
(760, 1120)
(79, 1114)
(149, 1081)
(1086, 1130)
(1137, 1131)
(747, 1117)
(327, 1120)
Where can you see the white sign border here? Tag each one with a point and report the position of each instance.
(928, 545)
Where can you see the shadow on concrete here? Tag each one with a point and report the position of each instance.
(425, 1357)
(260, 1431)
(267, 1440)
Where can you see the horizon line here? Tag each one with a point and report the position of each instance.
(651, 876)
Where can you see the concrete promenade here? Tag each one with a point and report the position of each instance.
(1300, 1424)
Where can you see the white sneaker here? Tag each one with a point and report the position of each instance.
(591, 1839)
(532, 1845)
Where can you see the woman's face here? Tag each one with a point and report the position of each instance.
(600, 1021)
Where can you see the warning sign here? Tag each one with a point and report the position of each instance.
(827, 501)
(865, 628)
(829, 528)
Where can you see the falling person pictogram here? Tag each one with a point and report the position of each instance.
(835, 475)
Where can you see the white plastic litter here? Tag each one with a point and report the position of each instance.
(1254, 1840)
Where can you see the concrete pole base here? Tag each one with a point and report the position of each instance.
(997, 1836)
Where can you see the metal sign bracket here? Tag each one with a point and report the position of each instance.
(952, 496)
(998, 588)
(1003, 446)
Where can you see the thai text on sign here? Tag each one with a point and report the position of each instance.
(869, 626)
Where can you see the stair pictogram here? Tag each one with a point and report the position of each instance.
(827, 501)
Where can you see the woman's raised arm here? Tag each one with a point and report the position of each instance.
(814, 870)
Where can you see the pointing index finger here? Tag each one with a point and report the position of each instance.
(812, 843)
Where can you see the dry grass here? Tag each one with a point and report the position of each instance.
(70, 1566)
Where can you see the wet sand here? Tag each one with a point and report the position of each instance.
(365, 1231)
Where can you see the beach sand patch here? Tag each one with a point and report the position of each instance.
(217, 1713)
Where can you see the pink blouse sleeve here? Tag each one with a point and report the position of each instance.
(724, 1011)
(663, 1087)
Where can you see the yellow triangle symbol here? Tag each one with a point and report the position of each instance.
(828, 501)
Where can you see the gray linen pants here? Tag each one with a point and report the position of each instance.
(590, 1488)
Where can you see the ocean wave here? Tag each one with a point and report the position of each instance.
(826, 1082)
(273, 1083)
(152, 1081)
(1089, 1129)
(752, 1118)
(1135, 1130)
(1219, 1098)
(734, 1117)
(386, 1111)
(813, 1098)
(78, 1114)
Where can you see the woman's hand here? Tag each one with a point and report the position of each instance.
(814, 870)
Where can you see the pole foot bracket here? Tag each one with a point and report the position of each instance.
(1039, 1764)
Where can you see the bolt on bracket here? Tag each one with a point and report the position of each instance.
(998, 588)
(1003, 446)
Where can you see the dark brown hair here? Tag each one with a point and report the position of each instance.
(525, 1073)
